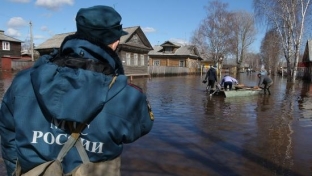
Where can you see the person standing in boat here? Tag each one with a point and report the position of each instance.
(266, 81)
(211, 77)
(227, 82)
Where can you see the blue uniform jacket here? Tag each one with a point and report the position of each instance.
(41, 99)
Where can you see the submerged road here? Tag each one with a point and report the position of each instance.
(195, 134)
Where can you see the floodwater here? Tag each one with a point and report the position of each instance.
(195, 134)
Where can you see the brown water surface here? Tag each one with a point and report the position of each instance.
(195, 134)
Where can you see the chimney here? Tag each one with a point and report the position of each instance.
(2, 32)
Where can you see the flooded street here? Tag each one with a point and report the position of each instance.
(195, 134)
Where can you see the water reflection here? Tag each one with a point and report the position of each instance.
(257, 135)
(5, 80)
(195, 134)
(305, 101)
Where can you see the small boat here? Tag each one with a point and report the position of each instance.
(241, 92)
(238, 91)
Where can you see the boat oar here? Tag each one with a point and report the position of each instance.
(218, 87)
(213, 92)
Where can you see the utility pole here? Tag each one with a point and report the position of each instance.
(31, 42)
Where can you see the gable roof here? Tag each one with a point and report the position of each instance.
(56, 40)
(307, 52)
(4, 37)
(182, 50)
(136, 30)
(172, 44)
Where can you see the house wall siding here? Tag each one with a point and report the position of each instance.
(134, 69)
(175, 62)
(15, 50)
(191, 63)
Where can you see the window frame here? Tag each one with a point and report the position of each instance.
(142, 61)
(135, 59)
(128, 58)
(181, 63)
(156, 62)
(168, 49)
(6, 46)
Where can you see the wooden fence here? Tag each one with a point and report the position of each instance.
(15, 63)
(166, 71)
(21, 64)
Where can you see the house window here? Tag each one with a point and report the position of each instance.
(156, 63)
(168, 49)
(181, 63)
(142, 60)
(128, 58)
(5, 45)
(136, 59)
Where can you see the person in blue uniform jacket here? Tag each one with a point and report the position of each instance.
(83, 82)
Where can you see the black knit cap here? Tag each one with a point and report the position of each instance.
(101, 23)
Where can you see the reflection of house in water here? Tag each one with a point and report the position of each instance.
(275, 131)
(305, 101)
(305, 67)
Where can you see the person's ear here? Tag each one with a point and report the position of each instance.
(114, 45)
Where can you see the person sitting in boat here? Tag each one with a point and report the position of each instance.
(228, 81)
(266, 81)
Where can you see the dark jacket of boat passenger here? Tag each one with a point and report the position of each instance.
(211, 74)
(264, 79)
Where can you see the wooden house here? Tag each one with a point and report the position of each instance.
(173, 58)
(10, 48)
(133, 50)
(229, 68)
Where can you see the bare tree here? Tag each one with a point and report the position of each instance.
(223, 32)
(271, 50)
(288, 18)
(215, 30)
(243, 28)
(198, 39)
(253, 60)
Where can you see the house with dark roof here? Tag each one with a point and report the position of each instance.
(133, 50)
(9, 46)
(172, 58)
(10, 50)
(305, 67)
